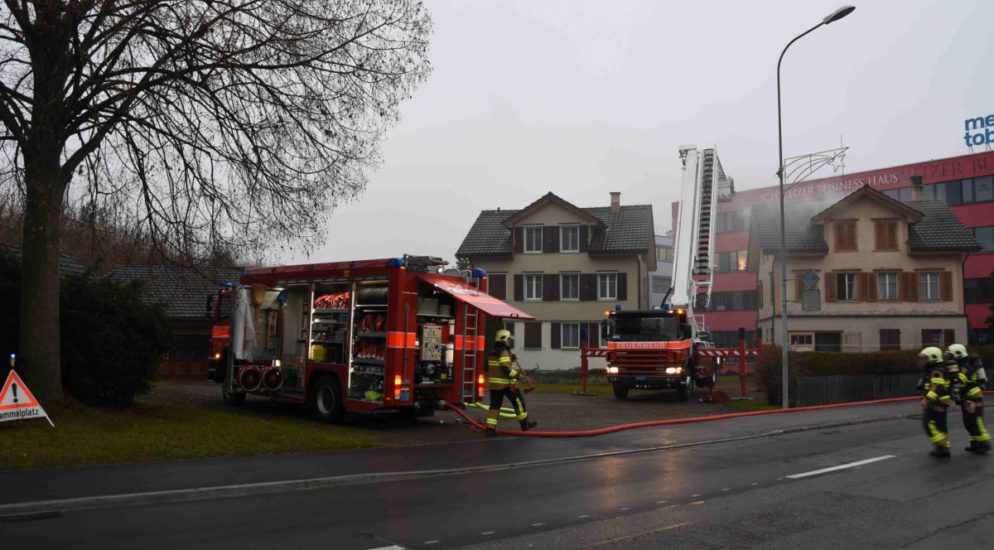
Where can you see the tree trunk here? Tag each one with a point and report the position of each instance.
(41, 363)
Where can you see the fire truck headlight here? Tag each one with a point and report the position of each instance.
(276, 362)
(612, 370)
(674, 370)
(217, 355)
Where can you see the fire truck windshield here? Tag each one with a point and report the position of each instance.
(647, 329)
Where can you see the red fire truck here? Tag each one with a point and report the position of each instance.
(368, 336)
(654, 350)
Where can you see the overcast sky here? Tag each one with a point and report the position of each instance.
(586, 97)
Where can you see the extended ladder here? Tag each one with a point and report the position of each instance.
(471, 352)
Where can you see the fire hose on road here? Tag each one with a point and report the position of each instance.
(668, 422)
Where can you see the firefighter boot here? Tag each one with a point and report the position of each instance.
(491, 432)
(527, 425)
(940, 452)
(979, 447)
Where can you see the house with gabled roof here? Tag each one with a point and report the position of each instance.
(565, 265)
(865, 273)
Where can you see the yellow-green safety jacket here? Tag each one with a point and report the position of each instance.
(500, 368)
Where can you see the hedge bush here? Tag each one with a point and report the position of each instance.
(769, 372)
(112, 342)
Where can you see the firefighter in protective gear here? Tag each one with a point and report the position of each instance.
(502, 378)
(936, 401)
(972, 381)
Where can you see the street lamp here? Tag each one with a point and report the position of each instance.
(830, 18)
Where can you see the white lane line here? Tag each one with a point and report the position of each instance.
(840, 467)
(725, 489)
(660, 502)
(391, 547)
(754, 483)
(584, 516)
(624, 509)
(432, 542)
(485, 533)
(538, 524)
(695, 495)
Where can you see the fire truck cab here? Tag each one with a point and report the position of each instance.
(653, 350)
(369, 336)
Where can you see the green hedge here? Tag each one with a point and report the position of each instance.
(769, 372)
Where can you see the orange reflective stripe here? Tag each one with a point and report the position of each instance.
(402, 340)
(220, 331)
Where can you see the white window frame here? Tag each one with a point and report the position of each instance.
(562, 286)
(538, 295)
(541, 238)
(603, 275)
(562, 240)
(802, 346)
(854, 297)
(926, 280)
(562, 336)
(881, 285)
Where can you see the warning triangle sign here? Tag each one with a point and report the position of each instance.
(17, 402)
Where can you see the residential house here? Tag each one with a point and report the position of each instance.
(865, 273)
(565, 265)
(661, 278)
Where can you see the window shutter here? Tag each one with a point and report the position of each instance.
(557, 333)
(946, 286)
(519, 240)
(588, 286)
(622, 286)
(879, 239)
(911, 284)
(497, 285)
(519, 287)
(863, 286)
(550, 236)
(550, 288)
(798, 286)
(584, 238)
(830, 287)
(871, 287)
(892, 234)
(593, 335)
(851, 235)
(533, 335)
(839, 236)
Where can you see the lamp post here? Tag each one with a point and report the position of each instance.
(830, 18)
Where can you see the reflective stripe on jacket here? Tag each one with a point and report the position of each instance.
(499, 368)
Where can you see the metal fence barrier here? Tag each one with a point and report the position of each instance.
(825, 390)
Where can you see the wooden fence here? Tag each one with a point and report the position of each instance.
(824, 390)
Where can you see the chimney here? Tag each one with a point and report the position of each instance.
(917, 193)
(615, 202)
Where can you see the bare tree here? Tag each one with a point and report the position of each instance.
(236, 124)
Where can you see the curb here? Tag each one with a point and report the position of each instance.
(10, 512)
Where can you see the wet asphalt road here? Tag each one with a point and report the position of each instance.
(736, 494)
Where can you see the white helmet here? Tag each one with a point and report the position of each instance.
(958, 351)
(931, 354)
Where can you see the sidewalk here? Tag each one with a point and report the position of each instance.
(30, 486)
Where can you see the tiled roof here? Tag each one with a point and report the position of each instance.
(940, 229)
(68, 267)
(630, 230)
(802, 235)
(182, 291)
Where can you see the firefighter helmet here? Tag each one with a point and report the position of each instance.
(503, 336)
(931, 354)
(958, 351)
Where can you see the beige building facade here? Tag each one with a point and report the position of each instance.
(867, 273)
(566, 266)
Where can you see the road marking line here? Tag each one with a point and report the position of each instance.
(391, 547)
(624, 508)
(695, 495)
(537, 524)
(697, 503)
(840, 467)
(725, 489)
(660, 502)
(584, 516)
(488, 533)
(432, 542)
(754, 483)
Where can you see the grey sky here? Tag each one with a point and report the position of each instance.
(586, 97)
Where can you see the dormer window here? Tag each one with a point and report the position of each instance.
(569, 238)
(533, 239)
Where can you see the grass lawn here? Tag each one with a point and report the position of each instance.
(598, 389)
(156, 430)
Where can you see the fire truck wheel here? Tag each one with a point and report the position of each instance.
(232, 399)
(326, 400)
(620, 392)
